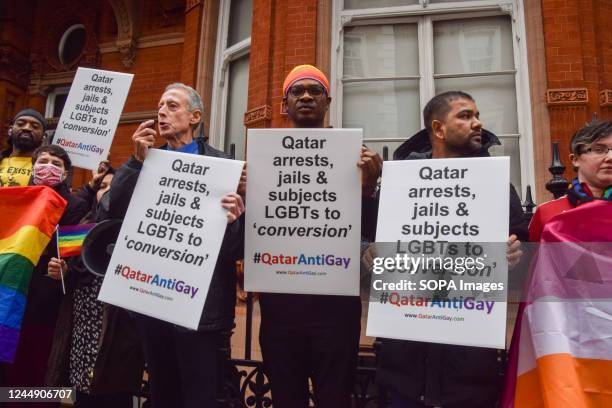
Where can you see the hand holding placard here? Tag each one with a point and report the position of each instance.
(171, 235)
(303, 225)
(370, 163)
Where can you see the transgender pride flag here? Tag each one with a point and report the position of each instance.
(564, 354)
(28, 219)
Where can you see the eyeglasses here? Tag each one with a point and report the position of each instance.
(298, 90)
(598, 150)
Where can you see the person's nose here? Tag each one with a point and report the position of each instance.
(306, 96)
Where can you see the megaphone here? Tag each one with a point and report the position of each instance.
(99, 244)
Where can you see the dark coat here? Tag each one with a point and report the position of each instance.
(218, 313)
(120, 361)
(441, 374)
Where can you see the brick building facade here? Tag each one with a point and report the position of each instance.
(548, 63)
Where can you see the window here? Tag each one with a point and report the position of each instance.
(231, 77)
(71, 44)
(394, 56)
(56, 100)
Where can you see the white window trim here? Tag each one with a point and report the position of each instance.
(50, 106)
(223, 57)
(436, 12)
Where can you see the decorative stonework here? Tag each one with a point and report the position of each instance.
(257, 115)
(157, 40)
(605, 97)
(127, 49)
(128, 24)
(568, 96)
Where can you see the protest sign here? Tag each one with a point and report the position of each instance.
(88, 122)
(170, 239)
(303, 223)
(440, 269)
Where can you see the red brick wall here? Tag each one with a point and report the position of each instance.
(283, 36)
(603, 19)
(578, 55)
(193, 24)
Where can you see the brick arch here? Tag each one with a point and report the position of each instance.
(127, 17)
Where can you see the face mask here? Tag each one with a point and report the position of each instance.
(47, 175)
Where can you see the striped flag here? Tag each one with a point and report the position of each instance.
(27, 222)
(70, 239)
(564, 337)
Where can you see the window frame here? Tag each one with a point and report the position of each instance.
(424, 15)
(64, 38)
(223, 57)
(50, 105)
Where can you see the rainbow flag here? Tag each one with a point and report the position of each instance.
(70, 239)
(564, 327)
(27, 223)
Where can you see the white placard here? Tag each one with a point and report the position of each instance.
(454, 200)
(303, 223)
(88, 122)
(170, 239)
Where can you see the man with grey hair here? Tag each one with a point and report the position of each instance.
(182, 364)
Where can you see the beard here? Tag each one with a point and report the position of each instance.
(464, 147)
(25, 140)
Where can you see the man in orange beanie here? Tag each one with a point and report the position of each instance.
(315, 336)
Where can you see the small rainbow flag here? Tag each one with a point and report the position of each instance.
(70, 239)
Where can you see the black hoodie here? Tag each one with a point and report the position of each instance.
(440, 374)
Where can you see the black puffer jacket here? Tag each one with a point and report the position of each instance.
(218, 311)
(440, 374)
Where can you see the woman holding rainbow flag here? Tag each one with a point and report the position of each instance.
(51, 166)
